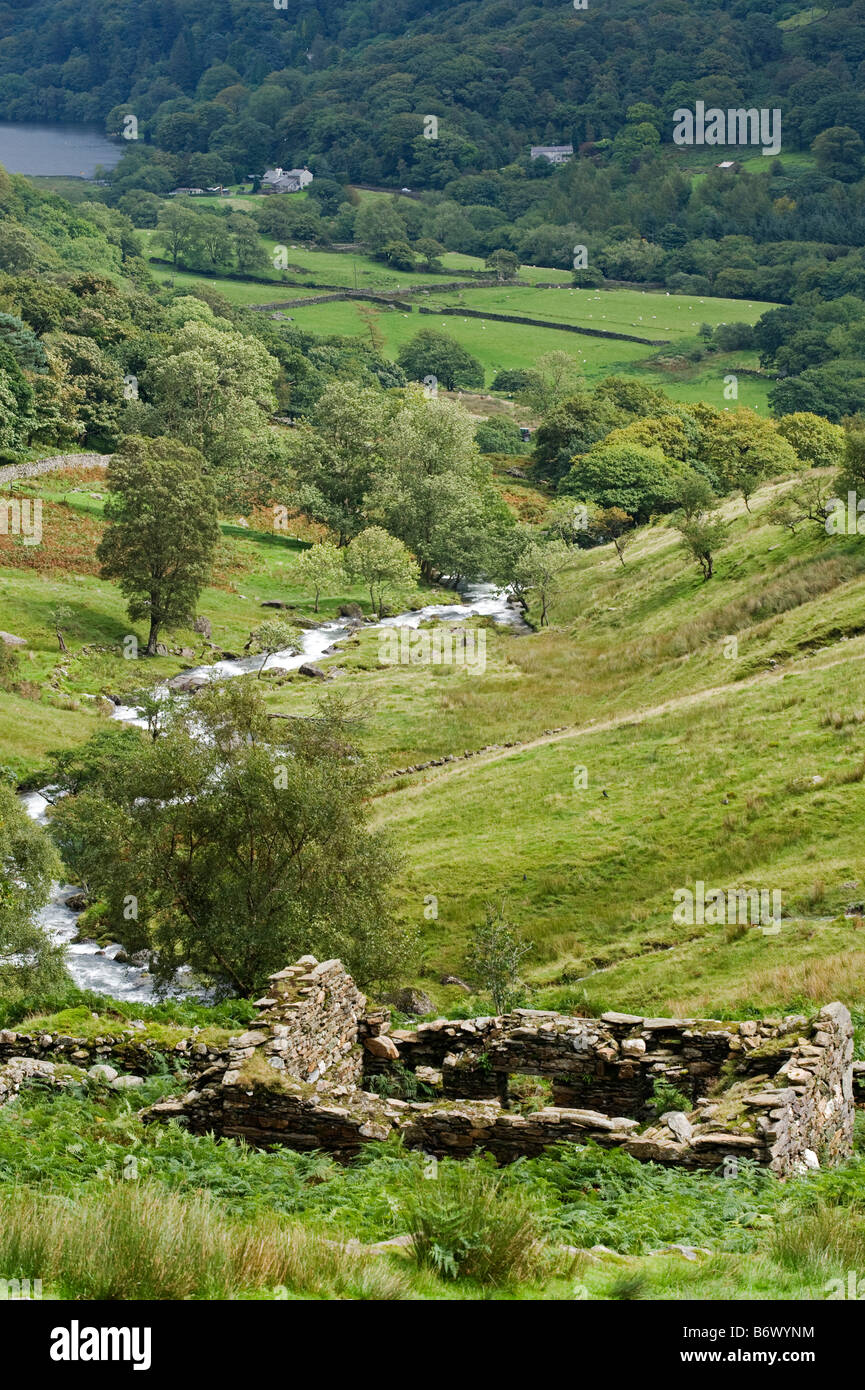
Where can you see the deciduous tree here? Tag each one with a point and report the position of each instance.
(243, 842)
(162, 531)
(30, 962)
(382, 563)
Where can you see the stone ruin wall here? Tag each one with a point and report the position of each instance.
(779, 1092)
(313, 1014)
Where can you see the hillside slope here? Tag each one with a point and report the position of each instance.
(340, 79)
(740, 764)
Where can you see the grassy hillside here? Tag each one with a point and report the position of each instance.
(636, 673)
(742, 768)
(57, 706)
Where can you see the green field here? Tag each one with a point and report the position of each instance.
(243, 292)
(641, 313)
(803, 18)
(674, 320)
(500, 346)
(496, 345)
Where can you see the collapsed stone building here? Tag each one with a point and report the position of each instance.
(321, 1070)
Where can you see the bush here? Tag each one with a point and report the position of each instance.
(465, 1224)
(430, 353)
(639, 480)
(681, 283)
(733, 337)
(513, 380)
(499, 436)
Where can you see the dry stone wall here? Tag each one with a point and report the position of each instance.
(139, 1055)
(57, 464)
(777, 1091)
(312, 1017)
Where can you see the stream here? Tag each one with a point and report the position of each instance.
(93, 966)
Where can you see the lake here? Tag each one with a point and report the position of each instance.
(46, 147)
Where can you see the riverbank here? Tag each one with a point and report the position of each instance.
(95, 965)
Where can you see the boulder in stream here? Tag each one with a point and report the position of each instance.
(187, 682)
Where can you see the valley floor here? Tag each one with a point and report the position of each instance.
(667, 731)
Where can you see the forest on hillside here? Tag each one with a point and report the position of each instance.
(345, 84)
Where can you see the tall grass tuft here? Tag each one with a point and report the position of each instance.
(137, 1241)
(466, 1224)
(822, 1244)
(630, 1286)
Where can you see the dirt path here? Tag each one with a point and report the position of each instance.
(600, 726)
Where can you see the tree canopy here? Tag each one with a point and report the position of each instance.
(162, 531)
(233, 843)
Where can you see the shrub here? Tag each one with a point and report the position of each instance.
(466, 1224)
(513, 380)
(495, 956)
(499, 436)
(733, 337)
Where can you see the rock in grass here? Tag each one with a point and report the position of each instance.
(102, 1072)
(410, 1001)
